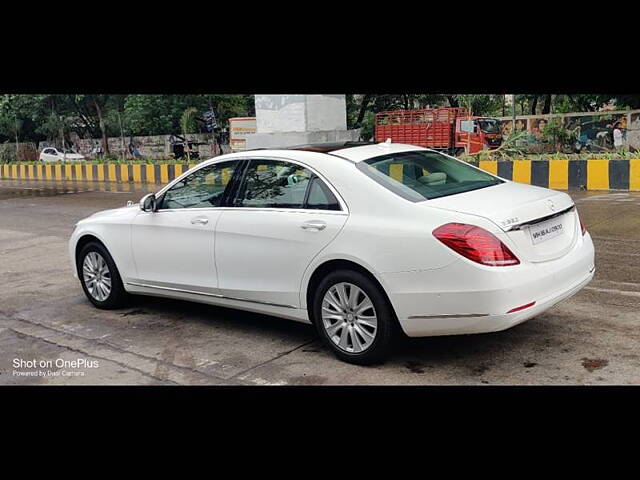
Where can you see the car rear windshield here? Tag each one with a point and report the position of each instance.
(422, 175)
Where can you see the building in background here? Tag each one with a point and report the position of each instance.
(287, 120)
(239, 128)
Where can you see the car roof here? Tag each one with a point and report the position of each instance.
(365, 152)
(352, 151)
(328, 146)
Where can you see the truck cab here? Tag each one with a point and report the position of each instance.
(474, 134)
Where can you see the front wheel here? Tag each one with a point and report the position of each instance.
(353, 317)
(99, 277)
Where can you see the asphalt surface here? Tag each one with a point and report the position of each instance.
(592, 338)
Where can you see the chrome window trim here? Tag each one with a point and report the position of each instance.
(344, 208)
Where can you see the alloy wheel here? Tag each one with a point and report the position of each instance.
(96, 275)
(349, 317)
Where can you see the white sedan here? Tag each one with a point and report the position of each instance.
(362, 241)
(52, 154)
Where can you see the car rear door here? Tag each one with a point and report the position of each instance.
(282, 216)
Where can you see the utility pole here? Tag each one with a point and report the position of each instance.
(17, 151)
(121, 134)
(64, 150)
(469, 133)
(513, 112)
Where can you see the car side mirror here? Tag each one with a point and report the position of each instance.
(148, 203)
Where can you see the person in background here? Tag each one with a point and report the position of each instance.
(618, 142)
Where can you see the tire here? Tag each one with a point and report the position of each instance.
(98, 256)
(348, 341)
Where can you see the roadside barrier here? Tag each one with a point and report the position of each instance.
(595, 174)
(101, 172)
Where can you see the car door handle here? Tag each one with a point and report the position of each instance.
(199, 221)
(314, 225)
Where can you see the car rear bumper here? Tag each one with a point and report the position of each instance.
(463, 298)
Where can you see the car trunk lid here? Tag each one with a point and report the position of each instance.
(541, 224)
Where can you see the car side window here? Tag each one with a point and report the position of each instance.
(273, 184)
(320, 197)
(204, 188)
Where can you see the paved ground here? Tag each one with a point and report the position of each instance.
(592, 338)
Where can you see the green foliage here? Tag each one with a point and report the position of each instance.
(188, 123)
(161, 114)
(40, 117)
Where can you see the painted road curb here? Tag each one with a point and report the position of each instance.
(596, 174)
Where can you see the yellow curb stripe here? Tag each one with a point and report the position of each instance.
(164, 173)
(522, 171)
(23, 171)
(58, 170)
(112, 172)
(634, 175)
(395, 171)
(68, 172)
(124, 172)
(78, 169)
(151, 176)
(490, 166)
(137, 173)
(178, 169)
(559, 174)
(598, 174)
(14, 171)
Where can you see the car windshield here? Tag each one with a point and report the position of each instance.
(489, 125)
(422, 175)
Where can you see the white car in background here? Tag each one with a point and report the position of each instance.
(362, 241)
(52, 154)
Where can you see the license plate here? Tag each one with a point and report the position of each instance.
(544, 231)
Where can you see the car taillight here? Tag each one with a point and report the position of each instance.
(476, 244)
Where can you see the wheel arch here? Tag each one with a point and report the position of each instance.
(85, 239)
(89, 237)
(328, 266)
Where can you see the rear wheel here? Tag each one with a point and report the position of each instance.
(353, 317)
(99, 277)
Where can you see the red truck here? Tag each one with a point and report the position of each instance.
(449, 129)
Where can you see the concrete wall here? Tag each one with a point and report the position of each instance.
(289, 139)
(157, 146)
(300, 113)
(27, 152)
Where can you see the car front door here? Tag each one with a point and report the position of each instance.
(173, 246)
(281, 216)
